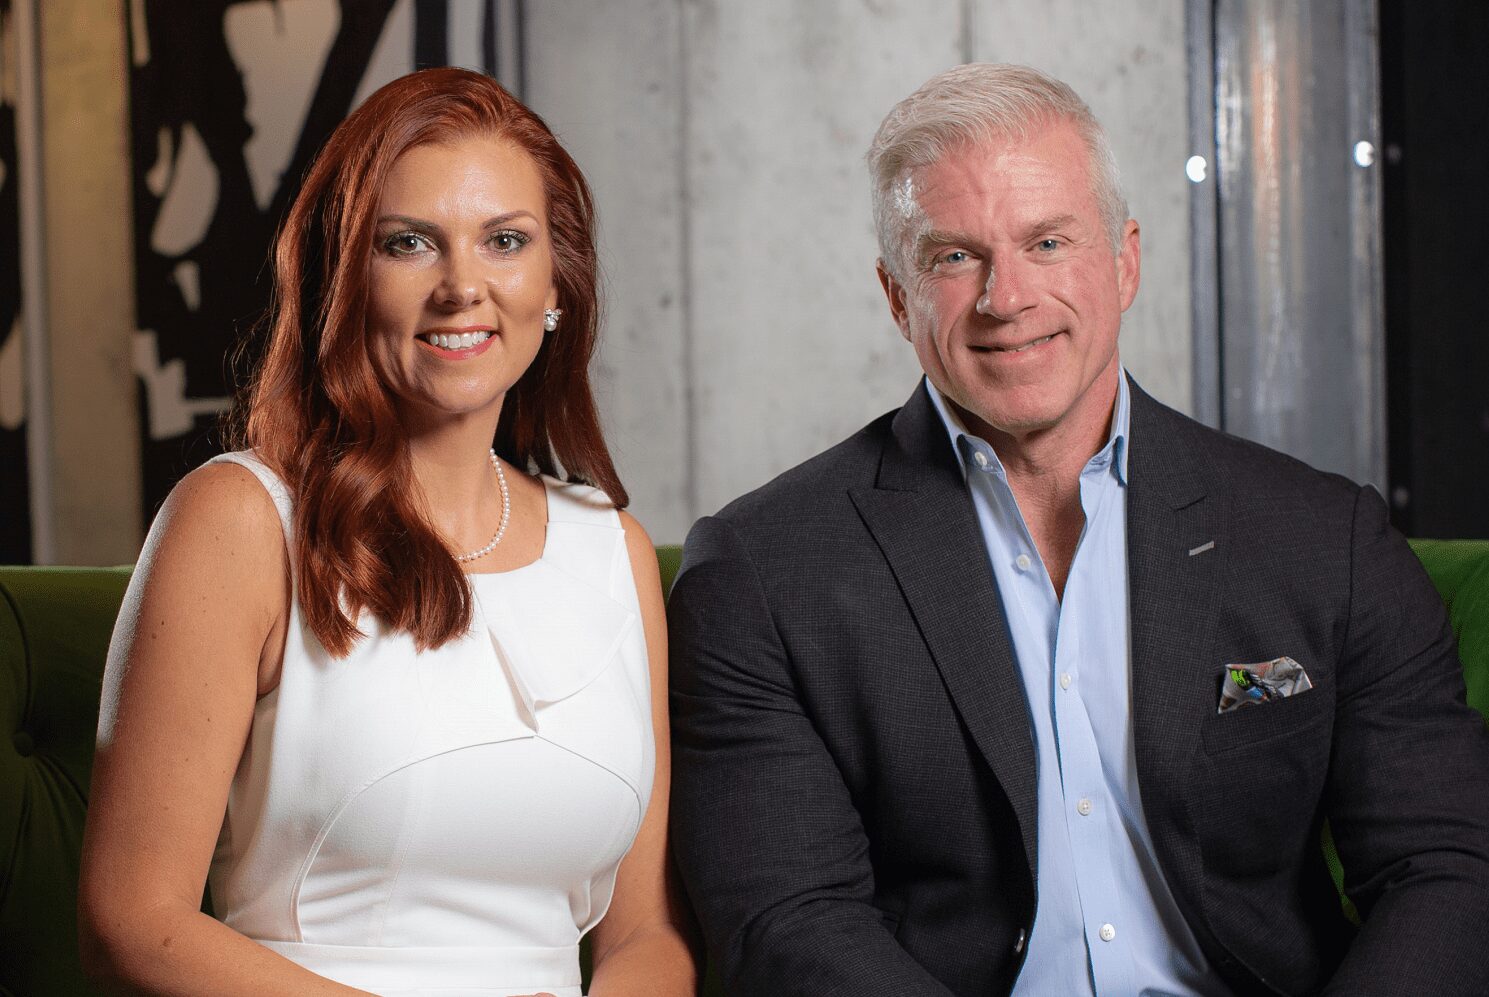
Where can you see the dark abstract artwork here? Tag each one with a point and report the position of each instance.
(15, 517)
(230, 101)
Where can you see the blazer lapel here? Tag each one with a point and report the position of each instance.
(920, 514)
(1175, 549)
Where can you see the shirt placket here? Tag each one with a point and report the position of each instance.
(1090, 812)
(1031, 600)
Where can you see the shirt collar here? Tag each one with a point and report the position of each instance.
(1115, 449)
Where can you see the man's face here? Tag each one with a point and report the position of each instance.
(1009, 290)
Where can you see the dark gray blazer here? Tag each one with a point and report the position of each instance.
(853, 792)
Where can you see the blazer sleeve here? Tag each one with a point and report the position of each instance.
(1408, 794)
(770, 845)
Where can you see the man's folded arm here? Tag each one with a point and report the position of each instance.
(1408, 798)
(771, 847)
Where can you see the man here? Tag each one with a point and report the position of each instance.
(965, 704)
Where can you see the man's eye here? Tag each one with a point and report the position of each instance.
(956, 256)
(1048, 245)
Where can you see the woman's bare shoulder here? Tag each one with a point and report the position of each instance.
(219, 527)
(228, 501)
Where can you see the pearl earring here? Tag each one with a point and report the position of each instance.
(550, 319)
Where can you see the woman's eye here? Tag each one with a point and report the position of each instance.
(509, 241)
(404, 244)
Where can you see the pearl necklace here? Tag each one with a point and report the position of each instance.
(501, 480)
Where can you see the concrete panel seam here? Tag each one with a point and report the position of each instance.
(685, 276)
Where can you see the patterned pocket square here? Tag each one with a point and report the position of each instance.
(1248, 685)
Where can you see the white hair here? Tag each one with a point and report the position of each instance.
(972, 103)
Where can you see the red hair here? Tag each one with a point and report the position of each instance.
(317, 411)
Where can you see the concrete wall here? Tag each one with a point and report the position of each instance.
(725, 143)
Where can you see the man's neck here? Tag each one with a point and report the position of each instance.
(1050, 459)
(1044, 468)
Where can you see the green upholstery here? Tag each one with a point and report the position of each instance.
(54, 633)
(1460, 570)
(669, 559)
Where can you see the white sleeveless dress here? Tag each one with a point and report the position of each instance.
(450, 822)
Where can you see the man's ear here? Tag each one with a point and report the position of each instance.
(1129, 263)
(894, 291)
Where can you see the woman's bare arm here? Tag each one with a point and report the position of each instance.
(199, 638)
(646, 943)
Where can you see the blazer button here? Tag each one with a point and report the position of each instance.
(1018, 945)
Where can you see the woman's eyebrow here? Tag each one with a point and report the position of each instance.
(428, 226)
(510, 216)
(408, 221)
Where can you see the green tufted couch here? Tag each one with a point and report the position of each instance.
(54, 632)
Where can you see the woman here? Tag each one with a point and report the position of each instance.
(399, 700)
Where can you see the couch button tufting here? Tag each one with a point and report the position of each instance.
(23, 744)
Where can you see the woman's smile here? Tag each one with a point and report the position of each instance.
(457, 344)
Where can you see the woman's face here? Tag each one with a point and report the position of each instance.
(462, 269)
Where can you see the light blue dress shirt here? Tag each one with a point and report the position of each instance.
(1105, 923)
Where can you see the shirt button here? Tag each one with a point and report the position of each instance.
(1108, 932)
(980, 458)
(1084, 809)
(1065, 680)
(1023, 562)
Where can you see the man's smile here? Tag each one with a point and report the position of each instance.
(1012, 349)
